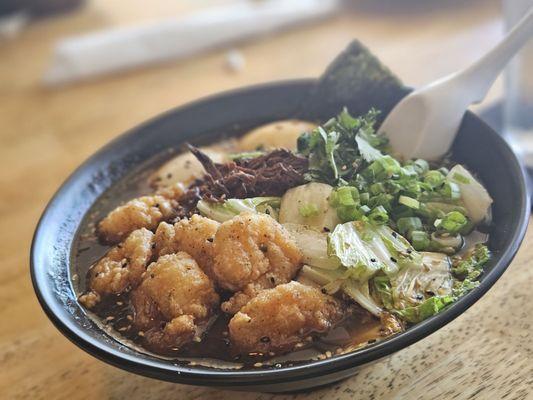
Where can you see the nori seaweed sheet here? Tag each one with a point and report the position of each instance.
(356, 79)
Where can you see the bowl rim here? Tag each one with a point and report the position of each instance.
(164, 370)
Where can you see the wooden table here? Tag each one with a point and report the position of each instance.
(487, 353)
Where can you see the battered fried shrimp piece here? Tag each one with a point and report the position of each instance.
(279, 318)
(173, 303)
(193, 236)
(142, 212)
(121, 268)
(252, 252)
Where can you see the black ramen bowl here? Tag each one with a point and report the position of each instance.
(55, 262)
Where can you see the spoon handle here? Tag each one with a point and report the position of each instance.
(484, 72)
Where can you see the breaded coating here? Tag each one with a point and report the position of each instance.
(172, 192)
(279, 318)
(193, 236)
(253, 252)
(173, 303)
(142, 212)
(121, 268)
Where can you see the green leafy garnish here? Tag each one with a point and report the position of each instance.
(334, 155)
(471, 265)
(429, 307)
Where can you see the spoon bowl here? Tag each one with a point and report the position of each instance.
(424, 124)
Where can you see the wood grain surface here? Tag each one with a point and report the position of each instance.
(487, 353)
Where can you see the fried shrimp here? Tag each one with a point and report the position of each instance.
(121, 268)
(142, 212)
(252, 252)
(173, 303)
(193, 236)
(279, 318)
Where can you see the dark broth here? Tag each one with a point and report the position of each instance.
(357, 330)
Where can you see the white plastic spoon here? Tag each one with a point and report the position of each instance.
(425, 122)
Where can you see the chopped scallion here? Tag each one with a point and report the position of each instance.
(453, 222)
(409, 202)
(407, 225)
(420, 240)
(379, 215)
(451, 191)
(421, 166)
(434, 178)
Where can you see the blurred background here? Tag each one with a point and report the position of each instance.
(76, 73)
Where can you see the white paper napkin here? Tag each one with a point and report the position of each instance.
(125, 48)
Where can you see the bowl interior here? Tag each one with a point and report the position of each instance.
(59, 268)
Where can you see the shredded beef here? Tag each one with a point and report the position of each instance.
(271, 174)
